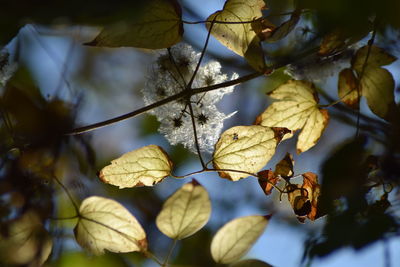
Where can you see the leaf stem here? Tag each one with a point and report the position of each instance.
(64, 218)
(171, 249)
(68, 194)
(358, 82)
(151, 256)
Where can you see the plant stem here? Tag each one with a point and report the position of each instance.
(171, 249)
(68, 194)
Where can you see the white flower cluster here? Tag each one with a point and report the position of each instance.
(7, 67)
(170, 75)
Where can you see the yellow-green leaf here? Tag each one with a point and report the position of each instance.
(236, 237)
(347, 88)
(157, 24)
(185, 212)
(240, 37)
(144, 166)
(377, 86)
(250, 263)
(245, 148)
(296, 108)
(104, 224)
(27, 242)
(377, 57)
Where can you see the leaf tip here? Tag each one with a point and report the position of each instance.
(268, 216)
(195, 182)
(91, 43)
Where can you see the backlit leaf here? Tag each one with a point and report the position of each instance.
(267, 179)
(236, 237)
(377, 85)
(185, 212)
(377, 57)
(304, 199)
(296, 108)
(240, 37)
(347, 88)
(104, 224)
(250, 263)
(144, 166)
(27, 242)
(157, 25)
(245, 148)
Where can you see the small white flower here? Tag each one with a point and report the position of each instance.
(7, 67)
(170, 75)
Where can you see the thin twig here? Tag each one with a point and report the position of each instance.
(203, 52)
(164, 101)
(196, 140)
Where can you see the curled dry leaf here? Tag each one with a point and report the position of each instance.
(240, 37)
(347, 86)
(284, 168)
(144, 166)
(27, 242)
(246, 149)
(104, 224)
(185, 212)
(304, 198)
(267, 179)
(236, 237)
(296, 108)
(156, 24)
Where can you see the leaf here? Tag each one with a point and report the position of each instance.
(377, 58)
(267, 179)
(104, 224)
(27, 242)
(347, 86)
(310, 183)
(296, 108)
(250, 263)
(377, 85)
(245, 148)
(157, 25)
(185, 212)
(284, 167)
(240, 37)
(236, 237)
(285, 28)
(304, 199)
(332, 43)
(144, 166)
